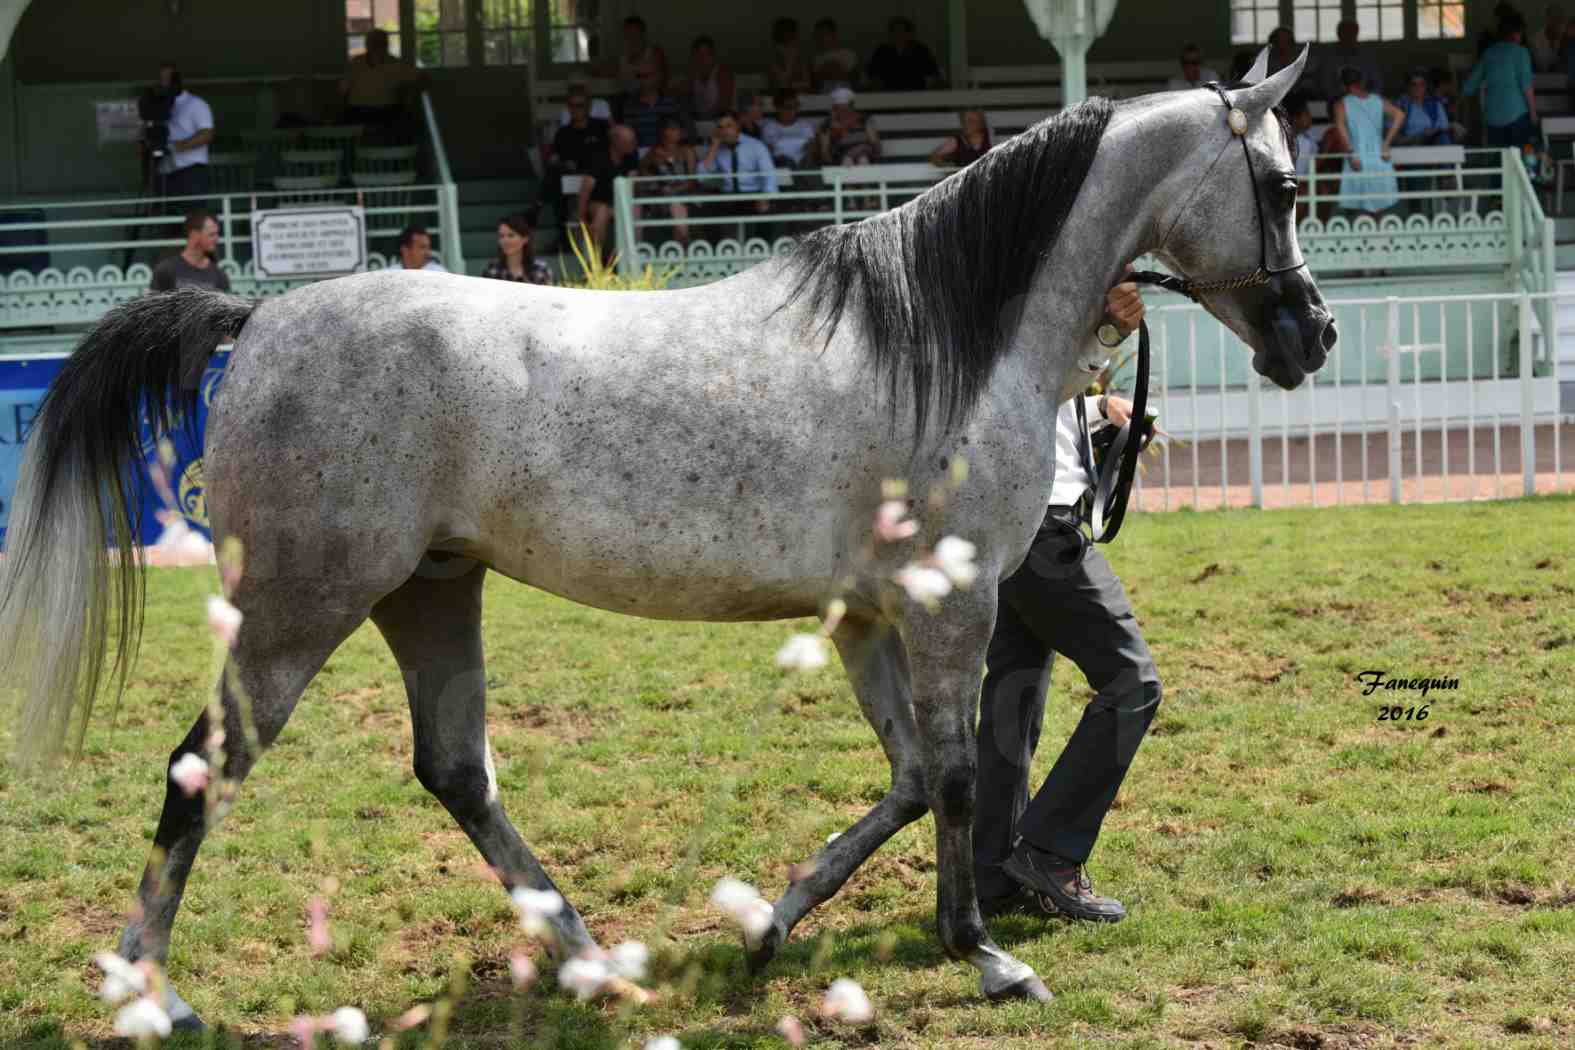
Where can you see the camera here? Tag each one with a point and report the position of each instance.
(153, 109)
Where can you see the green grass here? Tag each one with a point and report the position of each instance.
(1298, 873)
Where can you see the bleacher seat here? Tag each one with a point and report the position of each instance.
(232, 171)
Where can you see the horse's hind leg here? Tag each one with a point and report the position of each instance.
(283, 642)
(877, 666)
(433, 625)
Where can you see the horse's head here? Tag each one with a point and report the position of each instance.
(1219, 233)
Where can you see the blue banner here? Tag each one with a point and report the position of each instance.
(23, 382)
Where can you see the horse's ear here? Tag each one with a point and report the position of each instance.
(1259, 70)
(1266, 94)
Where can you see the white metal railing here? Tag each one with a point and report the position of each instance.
(1423, 399)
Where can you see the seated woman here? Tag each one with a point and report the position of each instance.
(962, 150)
(710, 88)
(1367, 178)
(516, 261)
(847, 136)
(673, 158)
(1425, 121)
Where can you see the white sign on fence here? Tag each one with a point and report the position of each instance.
(302, 242)
(117, 121)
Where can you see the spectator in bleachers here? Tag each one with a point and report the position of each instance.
(1282, 49)
(1489, 36)
(582, 138)
(1367, 179)
(185, 163)
(903, 63)
(1548, 44)
(847, 136)
(1308, 144)
(598, 107)
(1509, 98)
(1193, 73)
(376, 86)
(743, 158)
(786, 134)
(969, 145)
(596, 188)
(752, 115)
(1426, 120)
(638, 52)
(788, 70)
(194, 266)
(516, 260)
(415, 250)
(672, 158)
(645, 112)
(834, 65)
(1444, 89)
(710, 88)
(1348, 53)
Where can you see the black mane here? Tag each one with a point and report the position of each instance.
(937, 285)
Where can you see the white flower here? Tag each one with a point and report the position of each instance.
(846, 1001)
(802, 652)
(584, 977)
(744, 903)
(836, 609)
(190, 774)
(224, 620)
(350, 1026)
(892, 523)
(953, 555)
(663, 1042)
(522, 971)
(535, 908)
(629, 960)
(142, 1019)
(181, 545)
(122, 979)
(924, 585)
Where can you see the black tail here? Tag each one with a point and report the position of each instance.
(73, 516)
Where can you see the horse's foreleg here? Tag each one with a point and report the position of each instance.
(433, 625)
(274, 659)
(877, 666)
(946, 652)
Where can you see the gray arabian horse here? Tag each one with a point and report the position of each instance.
(384, 440)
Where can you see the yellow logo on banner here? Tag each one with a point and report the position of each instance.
(191, 496)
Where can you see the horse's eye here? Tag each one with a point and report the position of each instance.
(1285, 193)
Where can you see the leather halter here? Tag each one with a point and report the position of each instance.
(1108, 505)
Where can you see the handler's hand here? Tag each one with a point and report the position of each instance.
(1124, 305)
(1117, 409)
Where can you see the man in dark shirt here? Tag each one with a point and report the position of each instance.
(194, 266)
(581, 139)
(904, 64)
(620, 157)
(645, 112)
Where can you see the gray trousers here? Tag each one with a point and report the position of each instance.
(1064, 598)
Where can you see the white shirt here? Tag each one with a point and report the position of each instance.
(188, 116)
(1071, 480)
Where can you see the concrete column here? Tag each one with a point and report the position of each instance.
(957, 42)
(1072, 26)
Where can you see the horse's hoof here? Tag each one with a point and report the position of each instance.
(1028, 988)
(758, 957)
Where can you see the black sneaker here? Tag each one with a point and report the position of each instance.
(1061, 886)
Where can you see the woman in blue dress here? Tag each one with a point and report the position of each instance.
(1367, 178)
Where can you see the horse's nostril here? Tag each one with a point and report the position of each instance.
(1330, 336)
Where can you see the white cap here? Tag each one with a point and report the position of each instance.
(842, 96)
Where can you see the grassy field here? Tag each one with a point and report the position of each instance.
(1299, 873)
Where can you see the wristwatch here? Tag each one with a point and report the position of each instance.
(1109, 335)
